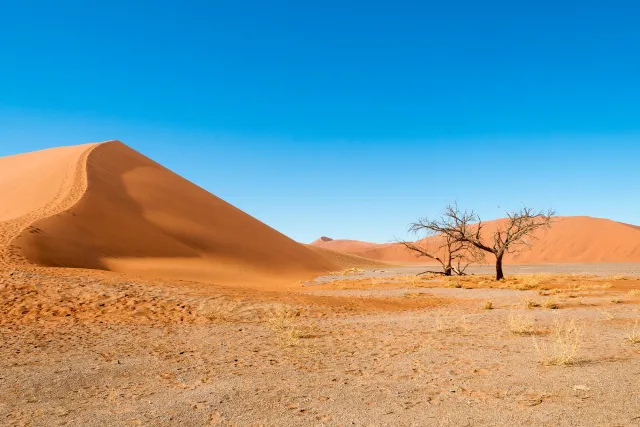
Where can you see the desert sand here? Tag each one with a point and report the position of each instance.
(105, 206)
(131, 296)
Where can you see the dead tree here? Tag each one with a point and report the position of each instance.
(511, 235)
(454, 256)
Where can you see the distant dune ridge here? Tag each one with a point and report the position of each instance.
(106, 206)
(577, 239)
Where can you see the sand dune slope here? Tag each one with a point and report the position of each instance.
(138, 217)
(345, 260)
(344, 245)
(38, 185)
(577, 239)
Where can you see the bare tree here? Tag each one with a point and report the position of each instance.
(454, 256)
(510, 236)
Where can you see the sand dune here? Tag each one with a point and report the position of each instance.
(106, 206)
(343, 245)
(345, 260)
(577, 239)
(38, 185)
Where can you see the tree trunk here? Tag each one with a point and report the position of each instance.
(499, 273)
(447, 270)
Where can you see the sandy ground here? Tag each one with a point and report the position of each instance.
(595, 269)
(170, 307)
(86, 348)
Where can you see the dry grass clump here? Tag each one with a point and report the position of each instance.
(532, 304)
(616, 300)
(347, 272)
(352, 271)
(634, 335)
(589, 287)
(634, 292)
(379, 280)
(450, 321)
(520, 324)
(531, 281)
(551, 304)
(415, 280)
(283, 321)
(218, 309)
(564, 346)
(620, 277)
(488, 305)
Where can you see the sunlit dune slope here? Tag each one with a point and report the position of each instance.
(135, 216)
(345, 260)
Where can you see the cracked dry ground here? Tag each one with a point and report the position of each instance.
(93, 349)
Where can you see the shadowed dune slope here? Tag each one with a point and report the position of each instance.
(578, 239)
(138, 217)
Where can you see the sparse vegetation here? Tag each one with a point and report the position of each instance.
(564, 346)
(520, 324)
(488, 305)
(282, 320)
(450, 321)
(634, 335)
(532, 304)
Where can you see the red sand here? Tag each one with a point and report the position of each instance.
(106, 206)
(578, 239)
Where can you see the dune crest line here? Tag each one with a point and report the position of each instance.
(71, 190)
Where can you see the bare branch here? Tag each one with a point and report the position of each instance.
(463, 234)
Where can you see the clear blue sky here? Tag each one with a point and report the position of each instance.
(342, 118)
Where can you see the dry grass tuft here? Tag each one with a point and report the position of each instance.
(532, 304)
(283, 321)
(551, 305)
(620, 277)
(488, 305)
(616, 300)
(634, 335)
(564, 347)
(414, 280)
(520, 324)
(634, 292)
(450, 321)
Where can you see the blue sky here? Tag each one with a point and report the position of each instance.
(342, 118)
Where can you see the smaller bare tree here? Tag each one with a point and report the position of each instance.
(511, 235)
(454, 256)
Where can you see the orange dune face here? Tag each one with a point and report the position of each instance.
(352, 246)
(135, 216)
(577, 239)
(33, 182)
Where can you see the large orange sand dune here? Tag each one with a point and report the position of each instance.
(577, 239)
(106, 206)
